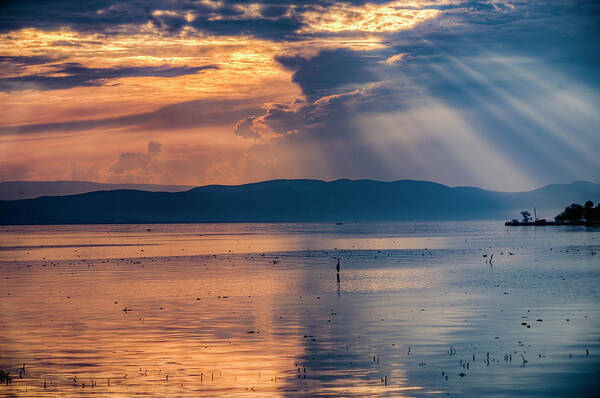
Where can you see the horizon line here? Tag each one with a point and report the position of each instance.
(295, 179)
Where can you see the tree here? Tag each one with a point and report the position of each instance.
(588, 212)
(572, 213)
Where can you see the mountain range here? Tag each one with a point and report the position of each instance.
(15, 190)
(295, 201)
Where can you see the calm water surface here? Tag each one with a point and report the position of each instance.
(257, 310)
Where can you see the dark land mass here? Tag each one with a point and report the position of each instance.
(15, 190)
(295, 201)
(543, 223)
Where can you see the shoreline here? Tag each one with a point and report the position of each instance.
(550, 223)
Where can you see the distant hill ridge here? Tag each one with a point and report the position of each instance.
(296, 200)
(15, 190)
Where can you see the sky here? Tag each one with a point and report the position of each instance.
(504, 95)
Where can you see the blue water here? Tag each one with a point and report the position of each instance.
(247, 309)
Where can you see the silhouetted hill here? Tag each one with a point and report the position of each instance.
(15, 190)
(295, 200)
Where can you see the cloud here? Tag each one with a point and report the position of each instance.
(459, 120)
(387, 17)
(395, 59)
(11, 65)
(517, 80)
(431, 141)
(274, 20)
(72, 74)
(154, 147)
(110, 17)
(278, 20)
(192, 163)
(331, 71)
(185, 115)
(131, 161)
(327, 116)
(245, 128)
(27, 60)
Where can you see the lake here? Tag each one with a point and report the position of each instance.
(418, 309)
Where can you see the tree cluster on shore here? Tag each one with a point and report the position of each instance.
(577, 213)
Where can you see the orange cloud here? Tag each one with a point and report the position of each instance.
(395, 59)
(387, 17)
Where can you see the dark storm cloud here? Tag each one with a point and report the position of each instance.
(107, 16)
(276, 21)
(73, 74)
(550, 34)
(339, 71)
(79, 15)
(331, 71)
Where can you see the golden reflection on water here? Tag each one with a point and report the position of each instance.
(204, 325)
(112, 242)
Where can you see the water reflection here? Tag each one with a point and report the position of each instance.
(113, 242)
(282, 323)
